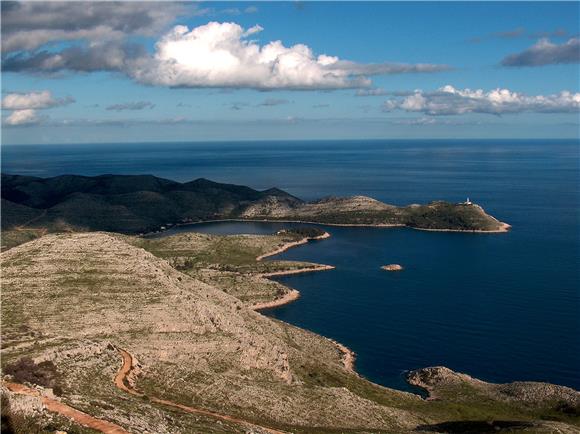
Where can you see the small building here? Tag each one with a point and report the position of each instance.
(467, 202)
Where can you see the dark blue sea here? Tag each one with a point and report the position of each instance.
(500, 307)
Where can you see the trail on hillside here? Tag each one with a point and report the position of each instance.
(78, 416)
(122, 381)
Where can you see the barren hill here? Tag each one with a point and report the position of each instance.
(76, 300)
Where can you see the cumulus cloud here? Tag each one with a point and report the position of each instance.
(100, 36)
(96, 57)
(221, 55)
(137, 105)
(33, 100)
(22, 117)
(25, 106)
(451, 101)
(545, 52)
(96, 34)
(30, 25)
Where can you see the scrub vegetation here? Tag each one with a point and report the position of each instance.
(197, 342)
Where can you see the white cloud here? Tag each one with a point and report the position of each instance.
(220, 55)
(25, 106)
(33, 100)
(22, 117)
(451, 101)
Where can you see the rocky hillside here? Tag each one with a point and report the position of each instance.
(128, 204)
(366, 211)
(134, 204)
(71, 301)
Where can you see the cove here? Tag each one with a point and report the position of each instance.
(472, 302)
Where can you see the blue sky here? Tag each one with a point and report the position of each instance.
(397, 70)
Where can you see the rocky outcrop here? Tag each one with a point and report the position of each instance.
(344, 204)
(439, 379)
(437, 376)
(272, 206)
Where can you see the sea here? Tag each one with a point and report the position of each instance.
(499, 307)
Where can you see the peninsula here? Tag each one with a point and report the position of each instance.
(143, 203)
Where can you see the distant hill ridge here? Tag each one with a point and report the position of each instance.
(143, 203)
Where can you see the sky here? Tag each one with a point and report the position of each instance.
(116, 72)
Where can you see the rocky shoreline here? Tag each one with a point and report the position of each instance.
(289, 297)
(293, 244)
(348, 356)
(293, 294)
(505, 227)
(298, 271)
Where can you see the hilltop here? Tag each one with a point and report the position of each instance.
(143, 203)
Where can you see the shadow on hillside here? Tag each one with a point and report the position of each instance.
(475, 426)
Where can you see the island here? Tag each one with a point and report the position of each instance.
(392, 267)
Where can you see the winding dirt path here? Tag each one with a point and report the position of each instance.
(123, 381)
(78, 416)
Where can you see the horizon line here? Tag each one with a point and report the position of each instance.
(242, 141)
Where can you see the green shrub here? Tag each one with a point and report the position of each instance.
(43, 374)
(306, 231)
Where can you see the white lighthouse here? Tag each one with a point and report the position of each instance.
(467, 202)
